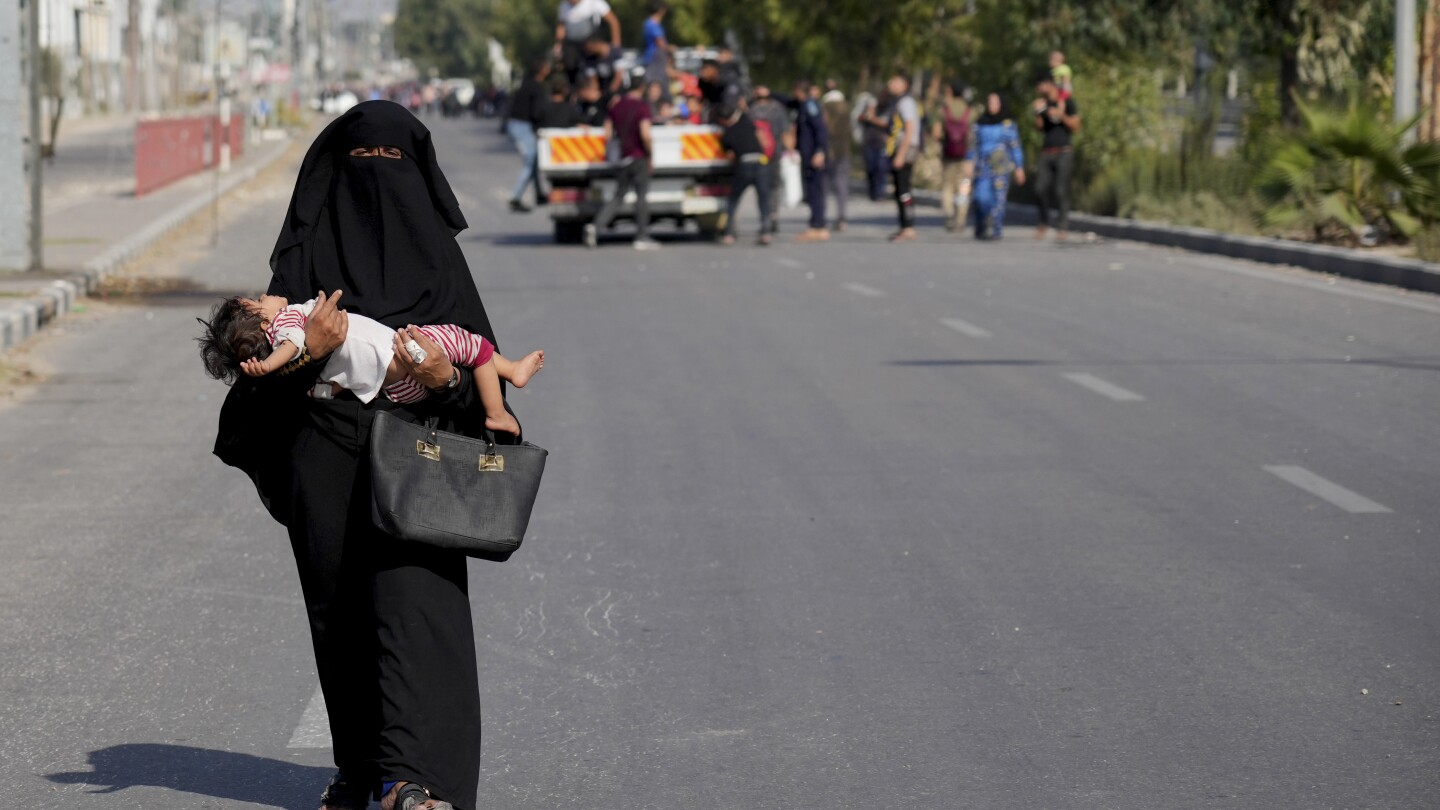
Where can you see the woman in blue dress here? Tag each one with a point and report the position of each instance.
(996, 155)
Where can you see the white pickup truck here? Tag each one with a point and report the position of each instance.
(690, 177)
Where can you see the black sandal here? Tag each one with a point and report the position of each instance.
(342, 794)
(413, 795)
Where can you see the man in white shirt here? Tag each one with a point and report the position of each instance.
(578, 21)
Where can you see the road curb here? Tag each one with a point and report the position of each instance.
(22, 318)
(1410, 274)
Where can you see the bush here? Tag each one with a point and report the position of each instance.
(1348, 175)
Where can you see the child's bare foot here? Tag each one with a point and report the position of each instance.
(505, 423)
(526, 367)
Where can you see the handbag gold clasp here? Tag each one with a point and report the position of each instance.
(492, 462)
(428, 450)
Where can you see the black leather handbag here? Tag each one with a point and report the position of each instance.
(452, 491)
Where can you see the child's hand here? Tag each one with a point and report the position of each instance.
(254, 367)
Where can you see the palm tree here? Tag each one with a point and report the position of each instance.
(1354, 169)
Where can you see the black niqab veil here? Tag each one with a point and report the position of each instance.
(380, 230)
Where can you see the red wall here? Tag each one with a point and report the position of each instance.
(170, 149)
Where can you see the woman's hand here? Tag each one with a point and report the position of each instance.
(436, 371)
(327, 326)
(1019, 177)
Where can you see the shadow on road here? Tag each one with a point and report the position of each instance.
(1400, 363)
(204, 772)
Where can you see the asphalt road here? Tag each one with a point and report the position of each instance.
(941, 525)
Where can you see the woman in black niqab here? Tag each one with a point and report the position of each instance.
(390, 621)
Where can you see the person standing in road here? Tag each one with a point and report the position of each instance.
(874, 133)
(390, 621)
(903, 150)
(1059, 119)
(837, 165)
(525, 107)
(773, 124)
(996, 155)
(629, 124)
(579, 21)
(813, 142)
(742, 143)
(953, 131)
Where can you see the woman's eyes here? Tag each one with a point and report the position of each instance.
(377, 151)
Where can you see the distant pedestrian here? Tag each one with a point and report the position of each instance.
(629, 124)
(525, 108)
(773, 125)
(655, 55)
(742, 143)
(578, 22)
(837, 164)
(954, 133)
(903, 150)
(813, 142)
(996, 156)
(874, 133)
(1059, 120)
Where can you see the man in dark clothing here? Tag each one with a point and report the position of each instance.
(558, 112)
(813, 141)
(874, 135)
(1059, 119)
(525, 107)
(629, 124)
(591, 106)
(743, 145)
(774, 116)
(903, 152)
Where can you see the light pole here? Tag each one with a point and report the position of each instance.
(1405, 79)
(37, 198)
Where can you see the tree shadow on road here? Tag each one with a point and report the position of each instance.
(204, 772)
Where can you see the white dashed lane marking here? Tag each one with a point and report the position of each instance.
(864, 289)
(784, 262)
(314, 728)
(1103, 388)
(1325, 490)
(965, 328)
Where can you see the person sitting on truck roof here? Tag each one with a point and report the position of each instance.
(742, 143)
(578, 22)
(629, 124)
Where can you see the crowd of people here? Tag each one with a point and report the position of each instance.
(813, 128)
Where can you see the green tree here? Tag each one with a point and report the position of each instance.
(446, 36)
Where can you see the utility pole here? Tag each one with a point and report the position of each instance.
(12, 142)
(1406, 82)
(35, 61)
(132, 56)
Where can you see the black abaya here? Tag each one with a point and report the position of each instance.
(390, 621)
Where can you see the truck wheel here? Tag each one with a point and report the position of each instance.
(569, 233)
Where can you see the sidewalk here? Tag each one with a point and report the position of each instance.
(90, 238)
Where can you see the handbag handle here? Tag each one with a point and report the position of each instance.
(490, 461)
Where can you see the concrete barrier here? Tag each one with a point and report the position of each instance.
(171, 149)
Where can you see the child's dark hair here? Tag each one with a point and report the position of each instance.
(233, 334)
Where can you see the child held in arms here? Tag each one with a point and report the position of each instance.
(258, 337)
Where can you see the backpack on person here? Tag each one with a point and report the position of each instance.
(766, 134)
(957, 135)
